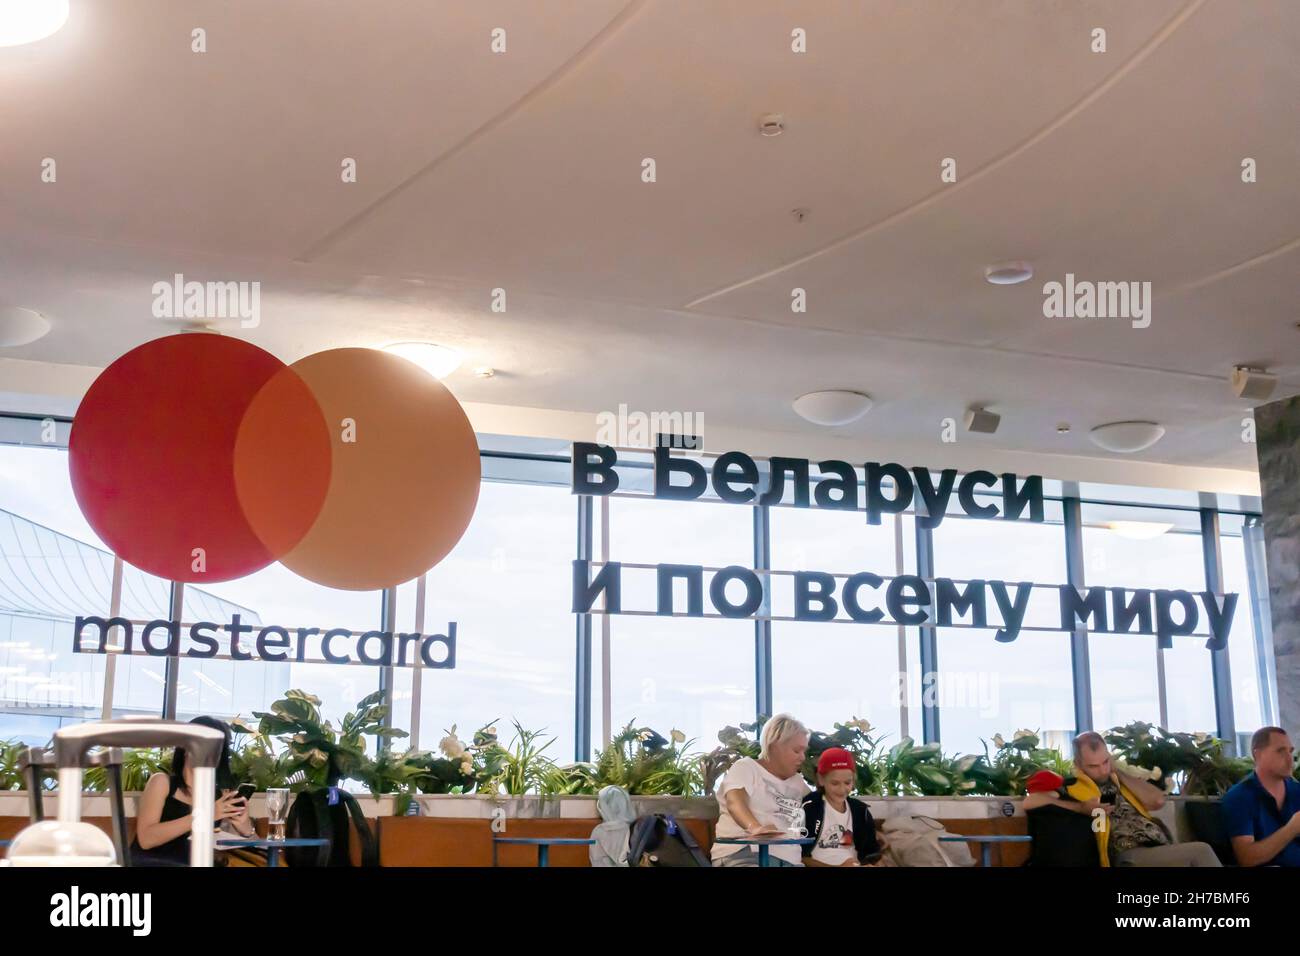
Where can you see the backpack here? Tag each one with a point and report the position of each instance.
(1061, 837)
(914, 841)
(659, 840)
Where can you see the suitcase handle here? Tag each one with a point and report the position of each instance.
(203, 749)
(203, 745)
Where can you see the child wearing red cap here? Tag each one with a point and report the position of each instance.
(842, 825)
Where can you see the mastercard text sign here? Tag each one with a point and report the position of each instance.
(201, 458)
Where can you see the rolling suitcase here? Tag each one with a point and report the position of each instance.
(72, 745)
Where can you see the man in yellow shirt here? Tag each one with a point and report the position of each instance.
(1121, 807)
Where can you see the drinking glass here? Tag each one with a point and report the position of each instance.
(277, 809)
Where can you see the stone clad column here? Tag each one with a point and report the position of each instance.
(1277, 436)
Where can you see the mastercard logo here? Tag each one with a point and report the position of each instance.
(201, 458)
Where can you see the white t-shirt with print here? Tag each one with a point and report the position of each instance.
(771, 801)
(835, 841)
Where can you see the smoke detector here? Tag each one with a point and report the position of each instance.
(1009, 273)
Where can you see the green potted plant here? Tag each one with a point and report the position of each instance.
(1005, 771)
(318, 759)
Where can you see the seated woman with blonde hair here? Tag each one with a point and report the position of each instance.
(764, 797)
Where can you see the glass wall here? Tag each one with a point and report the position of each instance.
(507, 585)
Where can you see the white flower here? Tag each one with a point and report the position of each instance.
(998, 741)
(451, 746)
(1024, 733)
(863, 726)
(644, 735)
(677, 736)
(466, 766)
(1140, 772)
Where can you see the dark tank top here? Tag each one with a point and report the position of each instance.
(175, 850)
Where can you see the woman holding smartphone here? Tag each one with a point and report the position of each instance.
(163, 818)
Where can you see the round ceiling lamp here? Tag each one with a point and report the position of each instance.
(1126, 437)
(832, 407)
(438, 360)
(21, 326)
(26, 21)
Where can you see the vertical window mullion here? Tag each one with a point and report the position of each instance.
(1080, 664)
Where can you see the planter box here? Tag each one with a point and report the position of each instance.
(457, 829)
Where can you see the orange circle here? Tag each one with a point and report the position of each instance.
(403, 478)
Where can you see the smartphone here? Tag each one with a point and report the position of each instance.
(246, 790)
(1108, 798)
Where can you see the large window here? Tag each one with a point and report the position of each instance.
(506, 585)
(985, 687)
(691, 674)
(50, 571)
(829, 672)
(275, 595)
(1132, 679)
(1253, 680)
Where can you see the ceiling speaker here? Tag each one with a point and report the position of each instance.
(1252, 384)
(982, 420)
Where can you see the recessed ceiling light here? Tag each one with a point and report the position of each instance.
(1063, 428)
(1009, 273)
(1126, 437)
(438, 360)
(21, 326)
(773, 124)
(484, 371)
(1139, 530)
(833, 407)
(26, 21)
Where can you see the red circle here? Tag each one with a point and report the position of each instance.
(151, 456)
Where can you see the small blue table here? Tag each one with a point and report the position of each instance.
(543, 845)
(273, 847)
(765, 844)
(986, 843)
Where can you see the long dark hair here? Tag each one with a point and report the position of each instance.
(225, 779)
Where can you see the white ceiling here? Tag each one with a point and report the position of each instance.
(522, 171)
